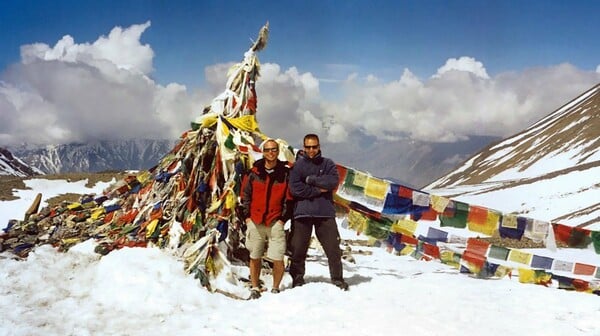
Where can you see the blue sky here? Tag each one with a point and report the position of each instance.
(438, 71)
(327, 38)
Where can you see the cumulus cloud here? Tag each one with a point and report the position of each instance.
(460, 101)
(102, 90)
(77, 92)
(467, 64)
(598, 68)
(120, 48)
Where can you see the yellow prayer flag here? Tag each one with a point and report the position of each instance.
(439, 203)
(230, 200)
(206, 120)
(450, 258)
(360, 179)
(357, 221)
(151, 227)
(533, 276)
(376, 188)
(502, 271)
(488, 227)
(520, 257)
(340, 200)
(526, 275)
(405, 226)
(407, 250)
(143, 176)
(246, 123)
(509, 221)
(89, 205)
(97, 213)
(74, 206)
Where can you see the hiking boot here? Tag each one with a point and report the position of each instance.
(341, 284)
(298, 282)
(255, 293)
(275, 291)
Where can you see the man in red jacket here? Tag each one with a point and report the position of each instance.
(265, 209)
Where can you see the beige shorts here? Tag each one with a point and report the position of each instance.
(258, 234)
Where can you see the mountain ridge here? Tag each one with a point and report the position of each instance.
(96, 156)
(556, 159)
(14, 166)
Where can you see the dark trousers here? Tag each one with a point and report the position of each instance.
(327, 233)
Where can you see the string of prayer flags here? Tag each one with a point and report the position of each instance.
(342, 172)
(376, 191)
(537, 230)
(539, 277)
(520, 257)
(350, 186)
(395, 203)
(584, 269)
(439, 203)
(512, 226)
(437, 234)
(404, 226)
(378, 228)
(573, 237)
(482, 220)
(541, 262)
(457, 217)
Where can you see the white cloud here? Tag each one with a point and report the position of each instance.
(289, 103)
(598, 68)
(468, 64)
(337, 133)
(100, 90)
(121, 48)
(89, 91)
(408, 79)
(454, 105)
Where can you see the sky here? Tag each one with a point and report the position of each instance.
(145, 291)
(438, 71)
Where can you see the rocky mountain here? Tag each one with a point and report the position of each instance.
(13, 166)
(554, 161)
(96, 156)
(415, 163)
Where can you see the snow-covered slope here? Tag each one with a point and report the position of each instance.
(11, 165)
(555, 162)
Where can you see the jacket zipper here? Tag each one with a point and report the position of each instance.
(270, 182)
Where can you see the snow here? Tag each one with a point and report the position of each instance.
(144, 291)
(6, 169)
(551, 162)
(543, 200)
(15, 209)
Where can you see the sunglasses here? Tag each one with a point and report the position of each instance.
(272, 150)
(311, 147)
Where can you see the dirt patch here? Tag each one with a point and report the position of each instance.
(9, 183)
(524, 243)
(93, 178)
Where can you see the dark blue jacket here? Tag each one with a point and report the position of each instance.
(306, 177)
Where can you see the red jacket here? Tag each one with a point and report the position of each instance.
(265, 196)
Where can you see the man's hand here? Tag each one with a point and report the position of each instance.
(310, 180)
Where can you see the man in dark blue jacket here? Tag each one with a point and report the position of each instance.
(312, 182)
